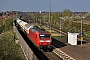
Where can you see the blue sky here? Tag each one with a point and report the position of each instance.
(43, 5)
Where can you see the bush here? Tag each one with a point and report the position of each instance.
(8, 48)
(8, 24)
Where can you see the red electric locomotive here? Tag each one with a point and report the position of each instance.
(40, 37)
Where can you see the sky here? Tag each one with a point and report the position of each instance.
(43, 5)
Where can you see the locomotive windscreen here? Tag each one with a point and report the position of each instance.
(44, 35)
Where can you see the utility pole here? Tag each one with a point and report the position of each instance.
(16, 14)
(60, 27)
(44, 19)
(40, 19)
(13, 20)
(50, 14)
(81, 38)
(60, 24)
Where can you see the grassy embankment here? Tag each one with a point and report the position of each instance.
(9, 50)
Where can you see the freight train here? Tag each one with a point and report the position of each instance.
(40, 37)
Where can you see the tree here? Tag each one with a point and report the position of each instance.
(87, 15)
(8, 23)
(70, 26)
(8, 48)
(67, 12)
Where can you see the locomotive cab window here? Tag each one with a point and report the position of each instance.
(44, 35)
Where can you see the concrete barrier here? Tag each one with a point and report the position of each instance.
(26, 49)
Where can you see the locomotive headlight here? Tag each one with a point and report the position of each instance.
(48, 40)
(45, 40)
(41, 40)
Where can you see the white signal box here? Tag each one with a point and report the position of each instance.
(72, 38)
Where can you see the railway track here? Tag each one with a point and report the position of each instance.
(52, 56)
(56, 53)
(41, 55)
(56, 30)
(34, 49)
(64, 33)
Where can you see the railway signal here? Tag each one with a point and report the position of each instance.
(81, 33)
(81, 38)
(60, 30)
